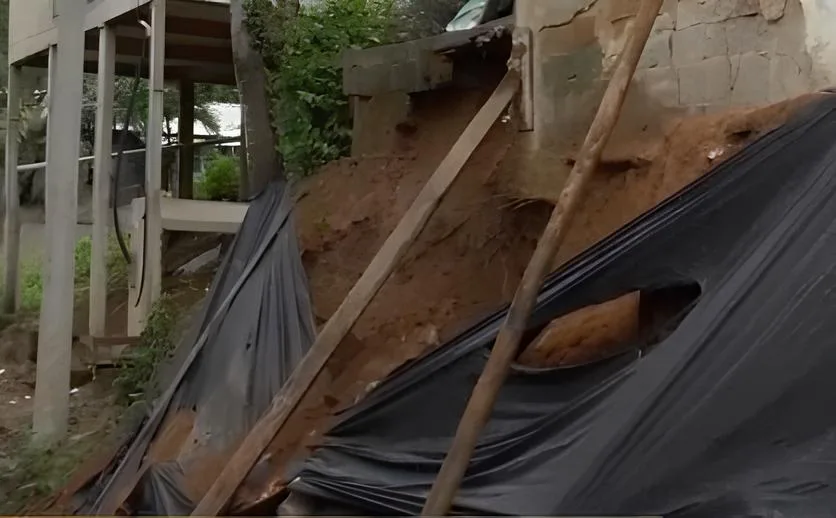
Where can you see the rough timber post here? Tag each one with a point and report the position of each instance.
(101, 179)
(152, 251)
(63, 131)
(11, 225)
(185, 138)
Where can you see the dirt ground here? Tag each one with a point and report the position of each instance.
(468, 260)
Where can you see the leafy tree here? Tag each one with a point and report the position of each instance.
(302, 56)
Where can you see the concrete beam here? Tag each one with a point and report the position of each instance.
(63, 132)
(11, 224)
(186, 139)
(101, 179)
(152, 250)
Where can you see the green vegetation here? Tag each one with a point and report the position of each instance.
(35, 473)
(220, 179)
(136, 379)
(31, 273)
(302, 55)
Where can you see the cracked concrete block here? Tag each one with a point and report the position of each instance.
(706, 82)
(694, 12)
(699, 42)
(660, 84)
(773, 10)
(787, 78)
(749, 34)
(657, 51)
(664, 22)
(749, 75)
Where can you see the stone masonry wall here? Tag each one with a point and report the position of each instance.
(703, 55)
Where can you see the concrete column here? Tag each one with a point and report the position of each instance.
(101, 179)
(243, 174)
(63, 132)
(11, 224)
(185, 138)
(152, 251)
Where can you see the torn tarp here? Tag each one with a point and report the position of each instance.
(255, 327)
(730, 415)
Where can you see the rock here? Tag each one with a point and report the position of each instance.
(773, 10)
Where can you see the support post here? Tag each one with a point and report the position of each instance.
(11, 225)
(63, 132)
(152, 251)
(101, 179)
(185, 138)
(243, 173)
(482, 399)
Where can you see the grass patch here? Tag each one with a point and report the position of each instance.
(31, 273)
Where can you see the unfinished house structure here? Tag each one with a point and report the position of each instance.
(171, 42)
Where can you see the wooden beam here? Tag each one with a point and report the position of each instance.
(11, 224)
(396, 245)
(102, 165)
(185, 138)
(55, 334)
(482, 400)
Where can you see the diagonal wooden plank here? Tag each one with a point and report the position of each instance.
(358, 298)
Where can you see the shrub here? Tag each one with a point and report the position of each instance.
(302, 56)
(137, 369)
(220, 179)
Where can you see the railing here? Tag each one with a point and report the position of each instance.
(41, 165)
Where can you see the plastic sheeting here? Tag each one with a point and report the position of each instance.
(730, 415)
(256, 326)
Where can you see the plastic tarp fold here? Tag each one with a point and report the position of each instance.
(730, 415)
(255, 327)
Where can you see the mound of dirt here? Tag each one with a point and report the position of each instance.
(471, 256)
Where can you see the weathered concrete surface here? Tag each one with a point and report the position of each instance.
(703, 55)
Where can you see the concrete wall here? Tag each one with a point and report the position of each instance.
(703, 55)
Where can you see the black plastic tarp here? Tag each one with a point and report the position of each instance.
(731, 415)
(256, 325)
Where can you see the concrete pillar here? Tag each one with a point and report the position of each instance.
(152, 251)
(243, 174)
(11, 224)
(63, 132)
(101, 179)
(185, 138)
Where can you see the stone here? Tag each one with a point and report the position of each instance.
(694, 12)
(748, 74)
(660, 84)
(788, 78)
(657, 51)
(749, 34)
(699, 42)
(706, 82)
(772, 10)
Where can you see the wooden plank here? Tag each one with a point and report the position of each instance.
(482, 400)
(413, 221)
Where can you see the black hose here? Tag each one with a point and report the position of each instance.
(123, 141)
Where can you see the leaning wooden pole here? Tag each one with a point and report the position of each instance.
(484, 394)
(343, 319)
